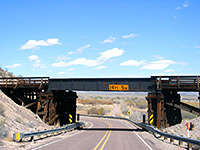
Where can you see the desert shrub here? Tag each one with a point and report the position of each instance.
(95, 102)
(124, 109)
(130, 103)
(96, 111)
(116, 101)
(141, 104)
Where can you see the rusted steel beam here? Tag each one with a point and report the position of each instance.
(31, 104)
(159, 111)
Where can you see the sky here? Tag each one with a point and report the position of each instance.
(100, 38)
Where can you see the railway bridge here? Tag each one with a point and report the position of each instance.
(54, 100)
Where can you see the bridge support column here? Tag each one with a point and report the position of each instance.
(156, 110)
(57, 107)
(173, 114)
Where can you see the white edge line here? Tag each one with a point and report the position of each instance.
(91, 124)
(138, 136)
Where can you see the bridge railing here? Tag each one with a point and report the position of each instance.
(28, 82)
(178, 82)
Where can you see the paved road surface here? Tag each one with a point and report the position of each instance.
(104, 134)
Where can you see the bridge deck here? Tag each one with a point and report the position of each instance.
(102, 84)
(178, 83)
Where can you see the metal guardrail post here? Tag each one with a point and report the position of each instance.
(17, 137)
(78, 117)
(144, 118)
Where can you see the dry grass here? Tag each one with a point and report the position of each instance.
(95, 102)
(187, 115)
(195, 104)
(141, 104)
(96, 111)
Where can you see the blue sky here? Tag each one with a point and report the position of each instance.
(100, 38)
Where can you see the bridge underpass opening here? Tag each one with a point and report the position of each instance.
(48, 97)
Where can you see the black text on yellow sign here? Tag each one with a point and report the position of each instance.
(117, 87)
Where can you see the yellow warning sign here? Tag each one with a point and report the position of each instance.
(117, 87)
(70, 118)
(99, 112)
(17, 136)
(151, 119)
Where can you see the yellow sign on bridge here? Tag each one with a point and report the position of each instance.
(117, 87)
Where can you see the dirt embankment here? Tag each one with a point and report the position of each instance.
(181, 129)
(15, 118)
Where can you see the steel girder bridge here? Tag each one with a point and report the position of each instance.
(54, 100)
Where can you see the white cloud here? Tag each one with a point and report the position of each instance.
(33, 44)
(63, 72)
(37, 61)
(70, 53)
(104, 56)
(33, 57)
(60, 64)
(13, 66)
(185, 5)
(132, 35)
(62, 58)
(133, 63)
(158, 65)
(109, 40)
(196, 46)
(101, 67)
(163, 62)
(79, 50)
(158, 57)
(155, 66)
(71, 69)
(83, 61)
(115, 52)
(82, 48)
(169, 70)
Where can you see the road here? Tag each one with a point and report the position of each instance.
(105, 134)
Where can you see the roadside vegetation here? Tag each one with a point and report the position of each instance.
(5, 73)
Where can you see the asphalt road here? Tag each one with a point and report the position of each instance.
(103, 134)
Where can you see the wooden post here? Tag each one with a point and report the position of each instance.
(158, 110)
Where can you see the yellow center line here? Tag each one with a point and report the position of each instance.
(104, 137)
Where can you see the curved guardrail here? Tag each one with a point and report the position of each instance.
(19, 136)
(153, 130)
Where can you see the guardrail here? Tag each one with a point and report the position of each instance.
(17, 137)
(189, 141)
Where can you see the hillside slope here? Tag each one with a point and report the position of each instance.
(15, 118)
